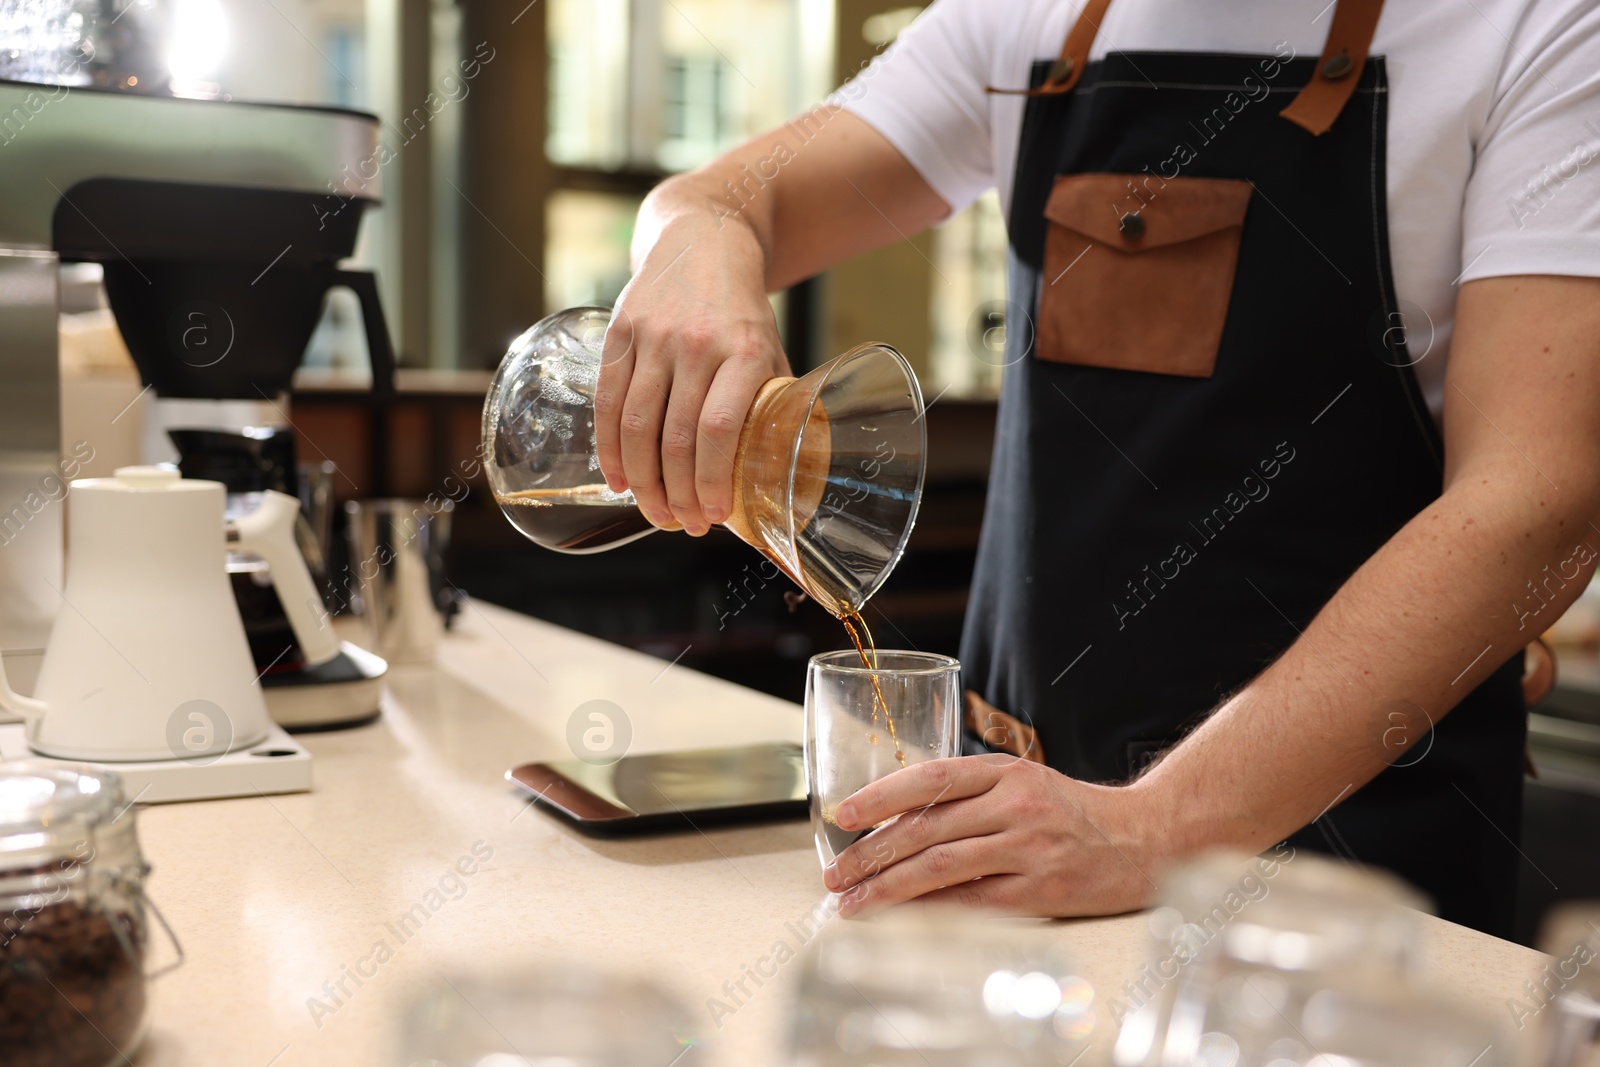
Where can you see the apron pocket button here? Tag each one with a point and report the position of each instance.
(1337, 67)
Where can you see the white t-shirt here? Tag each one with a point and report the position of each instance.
(1494, 120)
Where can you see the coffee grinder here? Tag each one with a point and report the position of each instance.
(220, 226)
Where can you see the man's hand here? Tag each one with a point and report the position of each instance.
(691, 342)
(999, 833)
(693, 338)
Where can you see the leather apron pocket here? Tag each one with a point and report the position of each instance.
(1139, 282)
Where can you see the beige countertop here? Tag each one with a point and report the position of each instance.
(273, 897)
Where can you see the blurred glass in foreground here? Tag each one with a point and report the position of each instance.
(549, 1017)
(1291, 960)
(1561, 1004)
(924, 987)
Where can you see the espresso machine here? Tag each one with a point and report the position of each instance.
(220, 226)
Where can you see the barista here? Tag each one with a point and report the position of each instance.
(1299, 441)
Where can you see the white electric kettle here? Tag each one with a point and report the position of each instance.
(148, 659)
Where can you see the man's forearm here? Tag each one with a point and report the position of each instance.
(1478, 574)
(696, 202)
(1427, 618)
(803, 196)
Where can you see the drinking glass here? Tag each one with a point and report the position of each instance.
(852, 740)
(397, 550)
(552, 1015)
(1271, 1018)
(1568, 1026)
(936, 988)
(1289, 959)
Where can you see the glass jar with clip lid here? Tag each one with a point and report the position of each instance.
(74, 920)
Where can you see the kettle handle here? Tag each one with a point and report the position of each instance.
(268, 531)
(15, 702)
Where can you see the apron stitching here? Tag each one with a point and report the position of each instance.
(1408, 381)
(1331, 834)
(1192, 85)
(1377, 237)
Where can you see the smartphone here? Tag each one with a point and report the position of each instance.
(671, 790)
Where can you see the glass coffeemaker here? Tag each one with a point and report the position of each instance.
(827, 476)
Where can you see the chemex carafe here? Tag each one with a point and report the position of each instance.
(827, 476)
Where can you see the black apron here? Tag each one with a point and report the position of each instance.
(1212, 424)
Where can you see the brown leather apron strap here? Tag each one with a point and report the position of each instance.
(1344, 55)
(1314, 108)
(1066, 71)
(1002, 732)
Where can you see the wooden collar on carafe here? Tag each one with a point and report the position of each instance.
(1314, 108)
(741, 519)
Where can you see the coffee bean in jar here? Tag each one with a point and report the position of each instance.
(73, 927)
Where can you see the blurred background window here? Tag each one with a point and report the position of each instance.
(640, 89)
(665, 85)
(586, 254)
(589, 50)
(969, 308)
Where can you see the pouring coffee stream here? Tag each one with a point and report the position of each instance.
(855, 626)
(827, 476)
